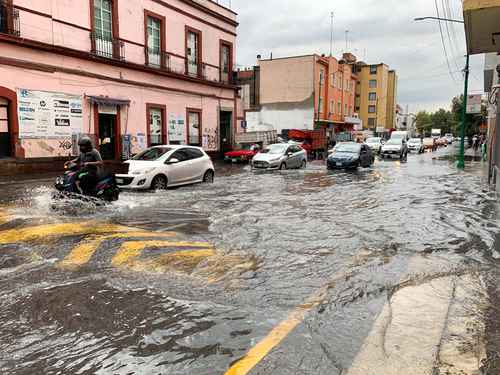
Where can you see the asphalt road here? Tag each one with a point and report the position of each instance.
(387, 270)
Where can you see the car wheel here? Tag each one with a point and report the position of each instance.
(208, 178)
(282, 166)
(159, 183)
(304, 164)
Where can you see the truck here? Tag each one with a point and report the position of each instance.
(310, 140)
(249, 144)
(436, 133)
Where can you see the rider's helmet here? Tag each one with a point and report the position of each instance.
(85, 144)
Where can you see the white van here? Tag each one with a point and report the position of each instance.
(400, 135)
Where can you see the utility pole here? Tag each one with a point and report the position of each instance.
(461, 156)
(347, 41)
(331, 35)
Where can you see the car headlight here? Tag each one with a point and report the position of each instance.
(144, 171)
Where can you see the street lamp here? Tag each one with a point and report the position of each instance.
(461, 157)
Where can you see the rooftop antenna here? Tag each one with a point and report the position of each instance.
(331, 36)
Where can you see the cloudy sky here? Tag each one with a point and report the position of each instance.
(379, 31)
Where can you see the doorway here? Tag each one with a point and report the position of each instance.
(108, 136)
(5, 141)
(225, 130)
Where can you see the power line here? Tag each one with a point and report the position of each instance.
(444, 44)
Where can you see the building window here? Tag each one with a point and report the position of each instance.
(154, 41)
(373, 69)
(226, 51)
(332, 107)
(9, 18)
(194, 127)
(332, 80)
(157, 126)
(371, 109)
(372, 96)
(371, 122)
(345, 110)
(357, 109)
(339, 107)
(320, 105)
(321, 77)
(373, 83)
(103, 27)
(193, 52)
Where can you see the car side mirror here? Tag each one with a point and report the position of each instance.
(289, 154)
(172, 161)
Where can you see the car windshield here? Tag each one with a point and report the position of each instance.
(394, 141)
(348, 148)
(373, 140)
(275, 149)
(152, 154)
(415, 140)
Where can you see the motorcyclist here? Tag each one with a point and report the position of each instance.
(90, 161)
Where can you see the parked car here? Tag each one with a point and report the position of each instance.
(416, 144)
(375, 144)
(350, 155)
(280, 156)
(395, 148)
(442, 142)
(449, 138)
(429, 144)
(160, 167)
(245, 154)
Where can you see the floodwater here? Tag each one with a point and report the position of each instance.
(387, 270)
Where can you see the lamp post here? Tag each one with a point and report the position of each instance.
(461, 157)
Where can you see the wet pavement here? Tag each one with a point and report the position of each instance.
(387, 270)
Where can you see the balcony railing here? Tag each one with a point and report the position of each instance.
(9, 19)
(180, 65)
(107, 47)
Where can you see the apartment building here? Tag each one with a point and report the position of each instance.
(376, 96)
(128, 73)
(300, 92)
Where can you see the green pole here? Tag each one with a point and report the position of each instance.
(461, 157)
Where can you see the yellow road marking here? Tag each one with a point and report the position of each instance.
(276, 336)
(184, 261)
(82, 253)
(43, 232)
(133, 249)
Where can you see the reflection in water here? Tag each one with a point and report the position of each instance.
(365, 237)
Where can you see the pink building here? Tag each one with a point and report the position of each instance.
(129, 73)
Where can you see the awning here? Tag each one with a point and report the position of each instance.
(104, 100)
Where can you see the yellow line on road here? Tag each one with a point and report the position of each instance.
(82, 253)
(43, 232)
(132, 250)
(276, 336)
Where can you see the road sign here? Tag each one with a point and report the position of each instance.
(474, 104)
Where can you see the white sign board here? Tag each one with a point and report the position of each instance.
(45, 114)
(176, 129)
(474, 103)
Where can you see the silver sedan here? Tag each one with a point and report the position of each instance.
(280, 156)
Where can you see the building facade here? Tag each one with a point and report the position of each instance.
(376, 96)
(482, 31)
(300, 92)
(128, 73)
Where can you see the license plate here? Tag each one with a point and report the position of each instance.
(235, 160)
(338, 164)
(119, 181)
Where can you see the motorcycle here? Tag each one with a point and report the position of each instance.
(105, 191)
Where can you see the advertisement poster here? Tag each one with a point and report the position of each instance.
(176, 128)
(474, 104)
(45, 114)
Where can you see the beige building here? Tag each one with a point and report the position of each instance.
(376, 94)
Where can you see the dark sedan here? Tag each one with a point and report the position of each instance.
(350, 156)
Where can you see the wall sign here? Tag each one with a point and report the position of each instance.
(44, 114)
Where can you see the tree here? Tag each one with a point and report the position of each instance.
(423, 122)
(444, 120)
(472, 121)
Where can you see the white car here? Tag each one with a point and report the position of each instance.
(160, 167)
(280, 156)
(416, 144)
(375, 144)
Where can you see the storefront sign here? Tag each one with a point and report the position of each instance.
(45, 114)
(474, 104)
(176, 128)
(107, 109)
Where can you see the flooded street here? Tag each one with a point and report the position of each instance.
(387, 270)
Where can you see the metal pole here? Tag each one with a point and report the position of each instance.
(331, 37)
(461, 157)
